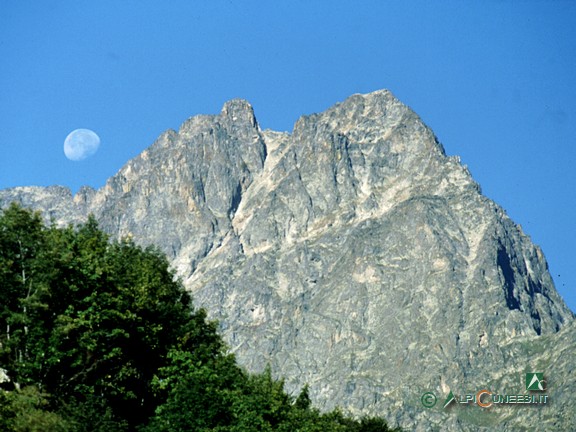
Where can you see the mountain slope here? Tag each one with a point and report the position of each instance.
(351, 254)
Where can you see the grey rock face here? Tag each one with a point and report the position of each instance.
(352, 254)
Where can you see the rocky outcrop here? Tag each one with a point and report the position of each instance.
(351, 254)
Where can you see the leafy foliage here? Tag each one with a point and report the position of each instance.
(100, 336)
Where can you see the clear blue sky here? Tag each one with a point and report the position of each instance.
(495, 80)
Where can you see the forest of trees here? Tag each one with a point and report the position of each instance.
(98, 335)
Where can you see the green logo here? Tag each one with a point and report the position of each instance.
(535, 381)
(428, 399)
(449, 399)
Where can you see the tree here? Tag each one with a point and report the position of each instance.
(27, 410)
(22, 241)
(88, 319)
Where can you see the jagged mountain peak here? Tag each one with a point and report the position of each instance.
(239, 110)
(352, 254)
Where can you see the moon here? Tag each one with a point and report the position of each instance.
(81, 144)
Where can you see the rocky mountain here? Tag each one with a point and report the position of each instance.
(353, 255)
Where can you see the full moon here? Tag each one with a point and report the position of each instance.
(81, 144)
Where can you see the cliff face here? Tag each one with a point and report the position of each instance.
(351, 254)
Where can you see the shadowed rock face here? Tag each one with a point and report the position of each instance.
(351, 254)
